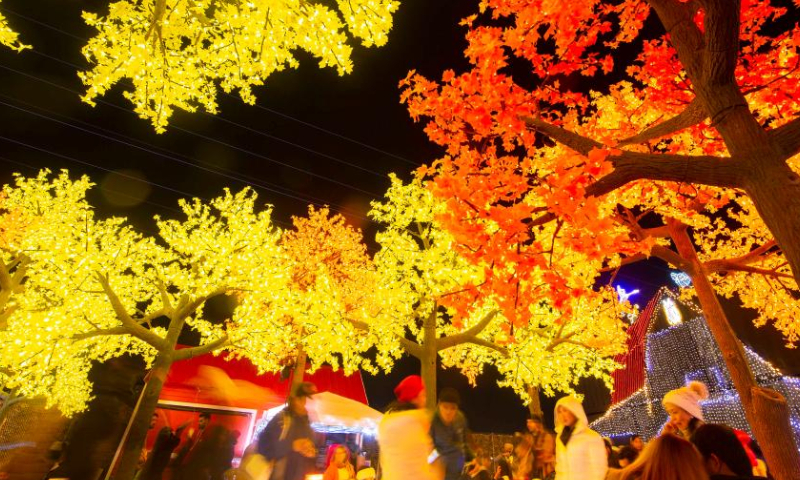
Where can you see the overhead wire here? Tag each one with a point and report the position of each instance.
(244, 127)
(260, 107)
(154, 151)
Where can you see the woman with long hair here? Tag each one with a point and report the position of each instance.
(337, 465)
(667, 457)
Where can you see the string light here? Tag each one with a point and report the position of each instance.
(681, 279)
(680, 353)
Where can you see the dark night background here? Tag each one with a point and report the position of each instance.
(314, 137)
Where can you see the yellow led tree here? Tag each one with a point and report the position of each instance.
(434, 303)
(178, 54)
(9, 37)
(331, 281)
(95, 289)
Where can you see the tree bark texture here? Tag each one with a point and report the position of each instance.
(766, 410)
(535, 406)
(140, 423)
(299, 370)
(429, 360)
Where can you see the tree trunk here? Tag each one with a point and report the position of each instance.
(775, 191)
(140, 423)
(535, 405)
(299, 371)
(428, 359)
(766, 410)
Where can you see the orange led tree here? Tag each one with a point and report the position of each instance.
(331, 283)
(706, 113)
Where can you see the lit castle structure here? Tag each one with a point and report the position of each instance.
(669, 345)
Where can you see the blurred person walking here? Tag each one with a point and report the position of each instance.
(406, 448)
(287, 441)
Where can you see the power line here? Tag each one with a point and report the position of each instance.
(312, 200)
(270, 110)
(199, 135)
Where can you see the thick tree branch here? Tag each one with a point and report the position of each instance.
(412, 348)
(129, 323)
(670, 257)
(467, 335)
(677, 19)
(187, 353)
(566, 339)
(787, 137)
(579, 143)
(704, 170)
(722, 266)
(689, 117)
(631, 166)
(101, 333)
(722, 40)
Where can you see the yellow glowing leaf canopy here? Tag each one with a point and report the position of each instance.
(332, 289)
(422, 274)
(177, 54)
(9, 37)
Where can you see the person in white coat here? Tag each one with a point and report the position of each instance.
(406, 448)
(580, 452)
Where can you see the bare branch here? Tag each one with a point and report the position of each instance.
(722, 266)
(579, 143)
(187, 353)
(467, 335)
(101, 333)
(566, 339)
(130, 324)
(689, 117)
(412, 348)
(631, 166)
(671, 257)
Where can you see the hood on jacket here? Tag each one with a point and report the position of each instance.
(576, 407)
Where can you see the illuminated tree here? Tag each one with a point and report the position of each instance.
(434, 304)
(179, 54)
(9, 37)
(96, 289)
(711, 105)
(331, 279)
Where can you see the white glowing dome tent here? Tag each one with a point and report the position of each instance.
(331, 413)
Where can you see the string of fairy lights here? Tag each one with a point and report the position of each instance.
(685, 350)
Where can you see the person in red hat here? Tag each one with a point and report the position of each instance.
(406, 448)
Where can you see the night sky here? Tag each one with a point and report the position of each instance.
(314, 137)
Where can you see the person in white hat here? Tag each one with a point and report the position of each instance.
(683, 407)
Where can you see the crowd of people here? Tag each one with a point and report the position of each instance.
(421, 445)
(202, 454)
(413, 445)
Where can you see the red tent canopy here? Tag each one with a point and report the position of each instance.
(182, 382)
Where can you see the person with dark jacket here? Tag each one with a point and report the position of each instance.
(288, 439)
(161, 454)
(723, 454)
(449, 433)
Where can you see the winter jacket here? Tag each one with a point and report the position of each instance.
(405, 444)
(451, 443)
(275, 443)
(584, 455)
